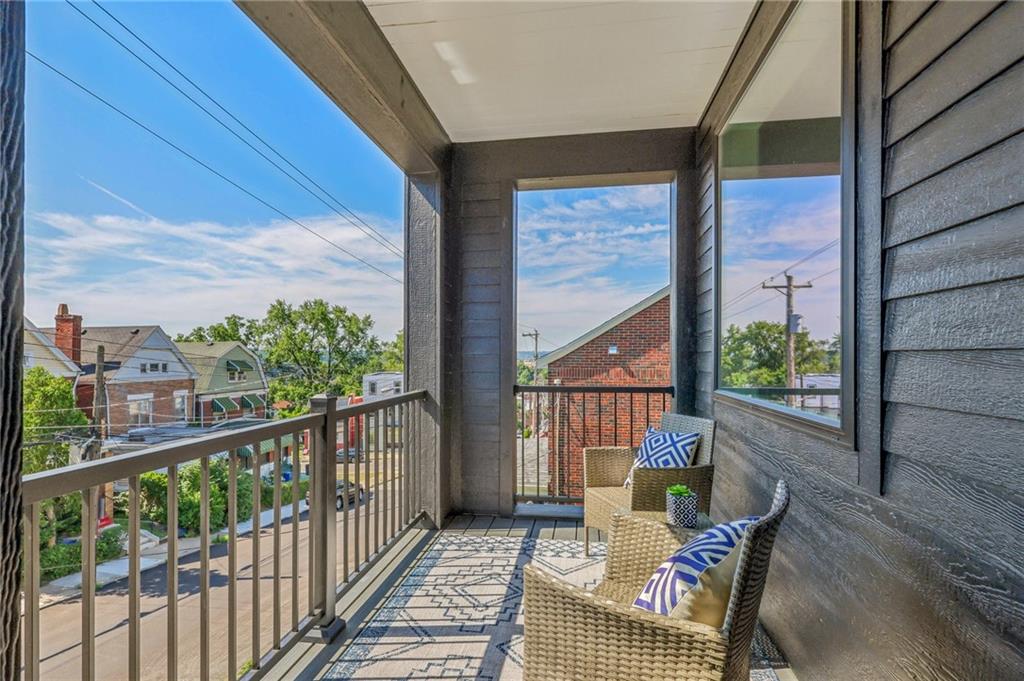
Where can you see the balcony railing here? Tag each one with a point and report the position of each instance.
(556, 422)
(373, 446)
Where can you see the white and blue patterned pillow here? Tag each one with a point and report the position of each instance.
(682, 570)
(663, 449)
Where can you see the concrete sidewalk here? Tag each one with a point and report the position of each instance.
(70, 586)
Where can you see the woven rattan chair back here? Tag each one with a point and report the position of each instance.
(681, 423)
(748, 585)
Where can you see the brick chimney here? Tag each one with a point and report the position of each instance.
(68, 332)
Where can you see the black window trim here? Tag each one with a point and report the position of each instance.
(845, 432)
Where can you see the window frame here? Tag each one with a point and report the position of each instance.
(844, 432)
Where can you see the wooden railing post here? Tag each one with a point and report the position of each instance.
(323, 515)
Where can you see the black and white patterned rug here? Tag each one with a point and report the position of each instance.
(457, 614)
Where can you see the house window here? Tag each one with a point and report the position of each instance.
(371, 388)
(143, 367)
(181, 404)
(783, 228)
(163, 367)
(154, 367)
(140, 410)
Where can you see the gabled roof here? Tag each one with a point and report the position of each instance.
(120, 344)
(207, 362)
(610, 324)
(43, 341)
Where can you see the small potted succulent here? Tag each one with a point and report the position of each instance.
(681, 506)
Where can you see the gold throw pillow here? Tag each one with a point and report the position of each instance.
(708, 600)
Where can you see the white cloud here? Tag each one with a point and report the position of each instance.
(114, 269)
(583, 259)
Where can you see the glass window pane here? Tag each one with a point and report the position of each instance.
(781, 246)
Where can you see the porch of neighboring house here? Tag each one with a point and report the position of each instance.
(885, 556)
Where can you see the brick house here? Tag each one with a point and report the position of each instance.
(630, 349)
(147, 380)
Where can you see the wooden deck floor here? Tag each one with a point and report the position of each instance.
(540, 528)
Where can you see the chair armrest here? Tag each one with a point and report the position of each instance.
(649, 485)
(571, 633)
(606, 466)
(636, 547)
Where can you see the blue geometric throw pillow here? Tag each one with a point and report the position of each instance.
(682, 570)
(663, 449)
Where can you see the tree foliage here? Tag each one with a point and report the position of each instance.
(309, 348)
(524, 374)
(756, 355)
(48, 407)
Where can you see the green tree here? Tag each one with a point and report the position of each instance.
(324, 346)
(233, 328)
(524, 374)
(49, 412)
(756, 355)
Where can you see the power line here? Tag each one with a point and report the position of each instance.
(749, 291)
(368, 230)
(209, 168)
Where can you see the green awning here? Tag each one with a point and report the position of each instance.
(238, 365)
(252, 401)
(224, 404)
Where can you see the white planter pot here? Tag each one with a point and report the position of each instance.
(681, 511)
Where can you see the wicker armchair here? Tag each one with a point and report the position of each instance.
(575, 634)
(606, 468)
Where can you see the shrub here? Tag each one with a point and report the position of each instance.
(65, 559)
(153, 496)
(267, 493)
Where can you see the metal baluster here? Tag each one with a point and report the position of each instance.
(360, 496)
(204, 569)
(600, 421)
(88, 542)
(406, 490)
(344, 500)
(296, 493)
(232, 563)
(615, 418)
(388, 502)
(395, 505)
(536, 433)
(277, 539)
(522, 443)
(376, 481)
(30, 587)
(255, 536)
(367, 453)
(632, 408)
(134, 577)
(310, 518)
(647, 411)
(172, 573)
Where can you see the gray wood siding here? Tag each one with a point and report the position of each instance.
(925, 580)
(480, 245)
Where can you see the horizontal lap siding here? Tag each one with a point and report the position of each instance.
(482, 235)
(925, 580)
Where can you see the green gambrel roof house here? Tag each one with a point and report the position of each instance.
(227, 371)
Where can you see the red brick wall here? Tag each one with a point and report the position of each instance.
(163, 401)
(590, 420)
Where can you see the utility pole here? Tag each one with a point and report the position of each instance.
(792, 327)
(535, 335)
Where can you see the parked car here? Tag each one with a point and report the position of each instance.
(356, 494)
(343, 455)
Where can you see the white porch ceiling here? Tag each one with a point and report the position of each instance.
(503, 70)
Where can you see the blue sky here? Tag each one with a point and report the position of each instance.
(584, 255)
(769, 225)
(126, 230)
